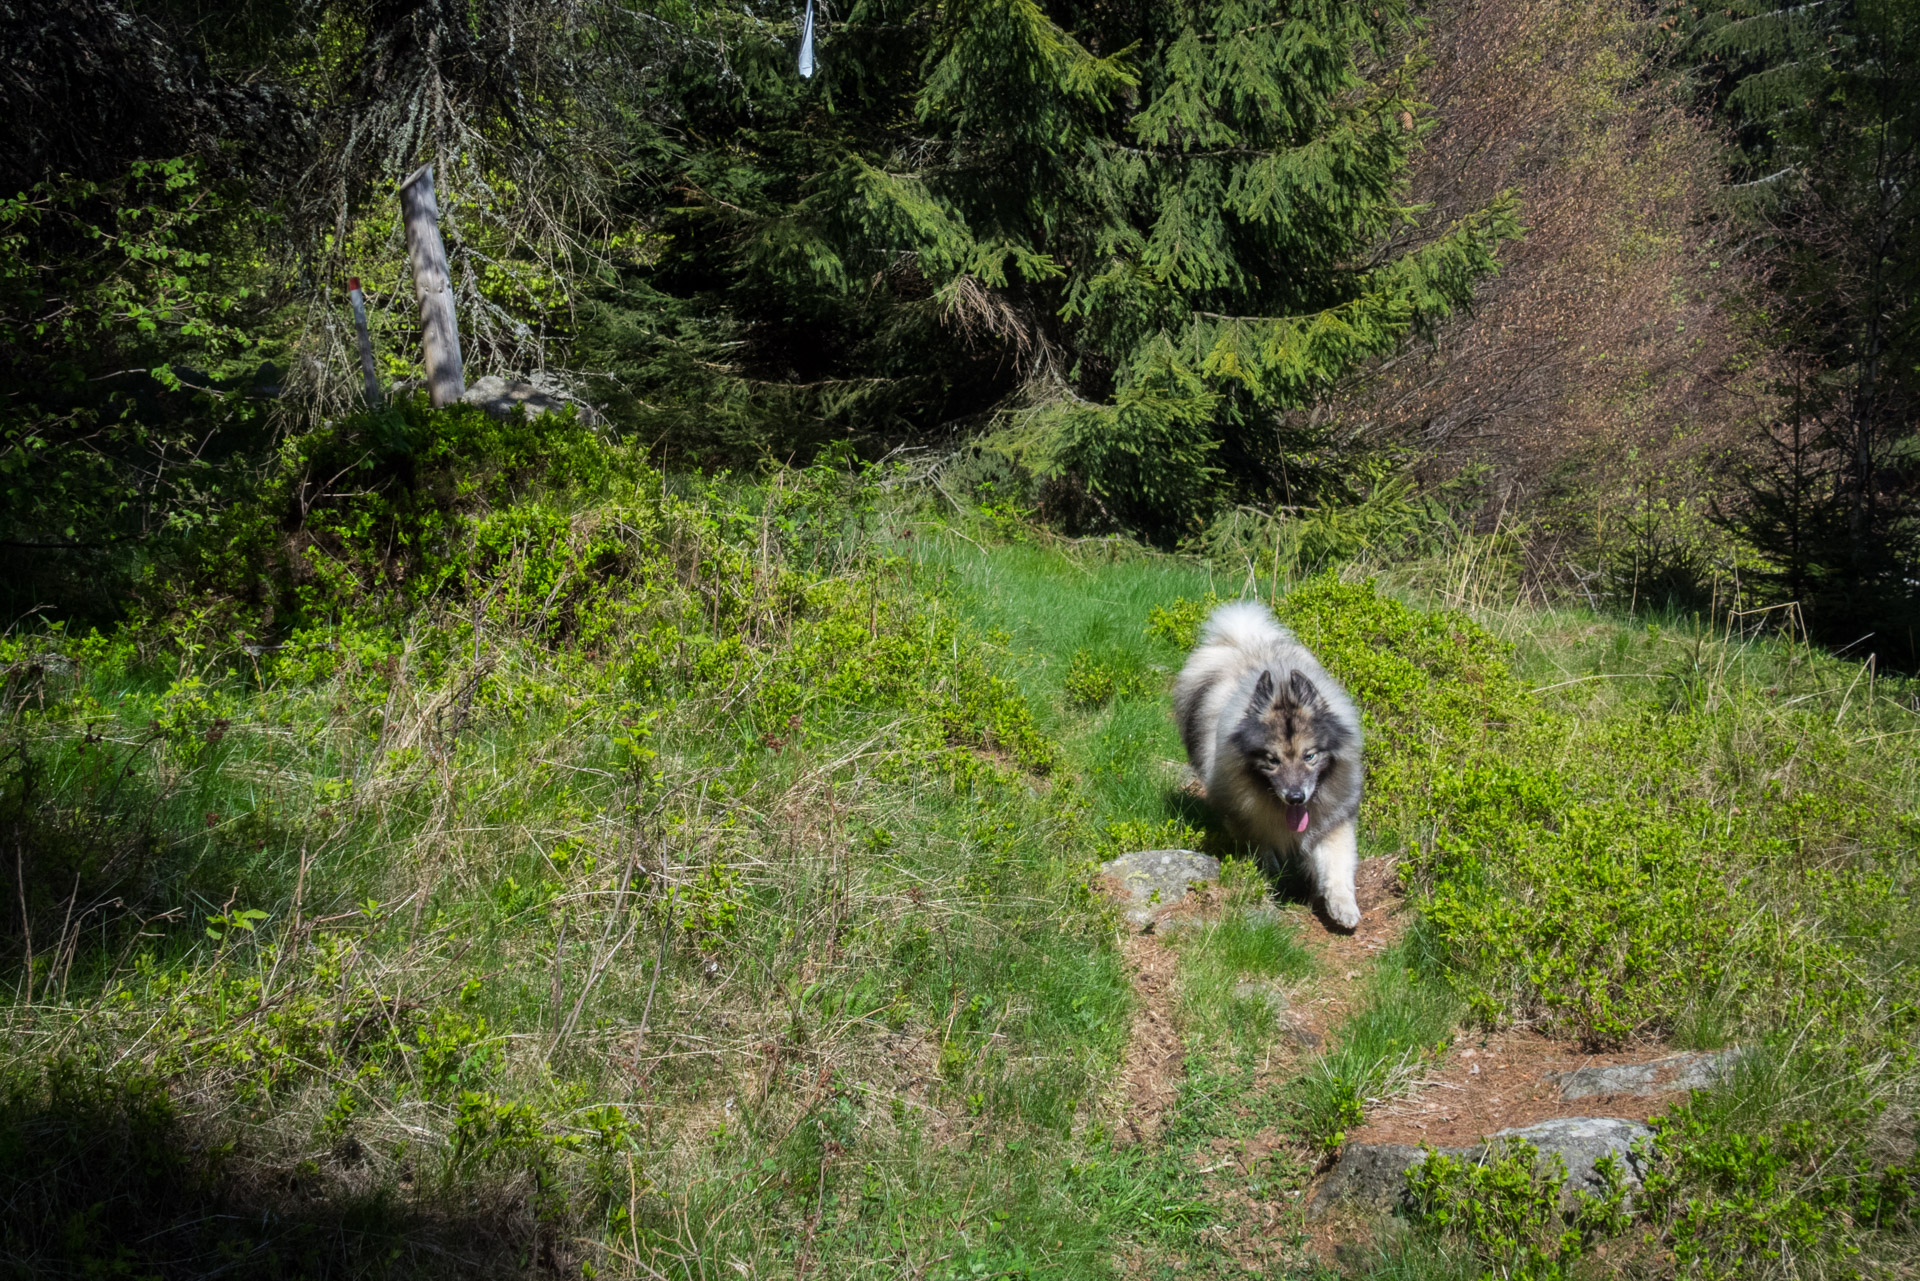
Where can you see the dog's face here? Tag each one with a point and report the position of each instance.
(1289, 742)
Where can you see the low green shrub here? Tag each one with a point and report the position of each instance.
(1794, 1170)
(1506, 1207)
(1094, 682)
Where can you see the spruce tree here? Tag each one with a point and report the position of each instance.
(1122, 239)
(1825, 102)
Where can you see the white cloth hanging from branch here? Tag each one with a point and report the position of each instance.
(806, 44)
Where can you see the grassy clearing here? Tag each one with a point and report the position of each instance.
(602, 874)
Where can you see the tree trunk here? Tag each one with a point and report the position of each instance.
(439, 331)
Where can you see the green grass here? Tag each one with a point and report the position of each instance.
(664, 878)
(1404, 1018)
(1064, 615)
(634, 947)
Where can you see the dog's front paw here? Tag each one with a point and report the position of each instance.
(1342, 910)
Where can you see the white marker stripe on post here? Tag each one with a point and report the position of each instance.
(359, 300)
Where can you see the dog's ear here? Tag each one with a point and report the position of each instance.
(1301, 691)
(1262, 694)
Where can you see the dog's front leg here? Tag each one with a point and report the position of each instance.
(1334, 860)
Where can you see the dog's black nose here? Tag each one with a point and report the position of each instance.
(1296, 796)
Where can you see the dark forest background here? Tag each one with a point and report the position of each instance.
(1633, 286)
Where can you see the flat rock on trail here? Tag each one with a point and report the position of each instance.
(1150, 882)
(1642, 1080)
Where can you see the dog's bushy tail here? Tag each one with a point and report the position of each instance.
(1243, 624)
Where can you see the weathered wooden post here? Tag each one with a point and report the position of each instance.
(439, 331)
(359, 300)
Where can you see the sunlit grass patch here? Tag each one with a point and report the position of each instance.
(1404, 1018)
(1238, 964)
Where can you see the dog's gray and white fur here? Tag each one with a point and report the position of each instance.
(1277, 743)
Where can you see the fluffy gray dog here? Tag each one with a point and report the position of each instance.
(1277, 743)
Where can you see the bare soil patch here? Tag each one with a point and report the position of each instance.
(1499, 1082)
(1155, 1058)
(1344, 959)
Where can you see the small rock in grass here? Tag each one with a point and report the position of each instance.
(1153, 880)
(1262, 990)
(1659, 1076)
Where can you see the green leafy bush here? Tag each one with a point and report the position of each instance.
(1732, 1195)
(131, 332)
(1094, 682)
(1178, 622)
(1507, 1208)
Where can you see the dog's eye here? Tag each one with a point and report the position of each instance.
(1311, 756)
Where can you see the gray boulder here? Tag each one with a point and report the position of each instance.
(1658, 1076)
(501, 396)
(1374, 1174)
(1152, 880)
(1581, 1141)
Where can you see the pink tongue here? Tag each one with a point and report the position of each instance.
(1298, 816)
